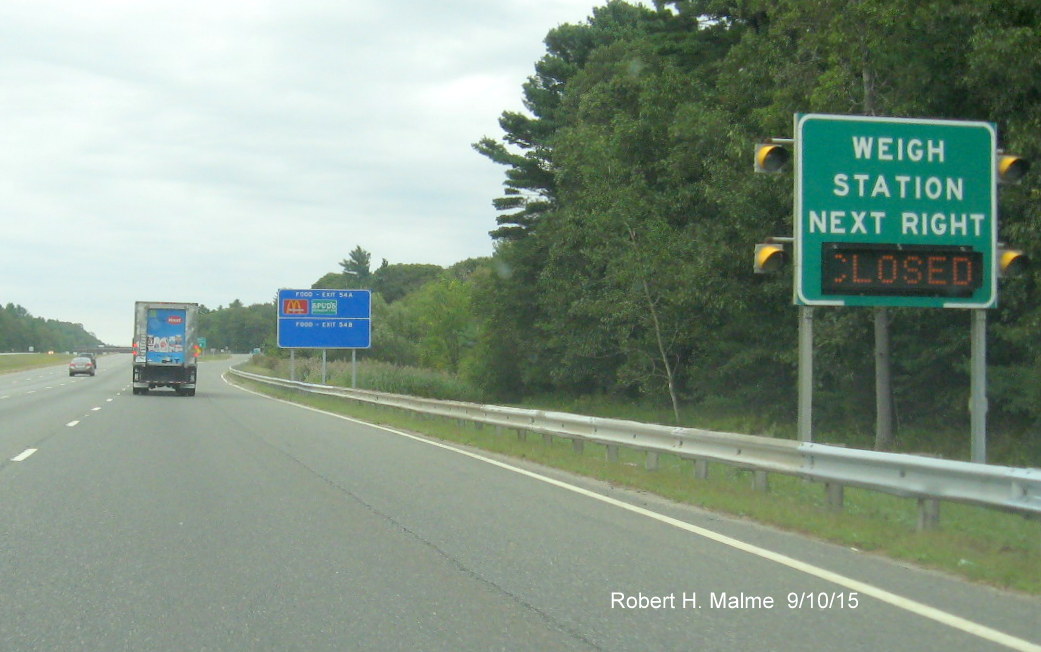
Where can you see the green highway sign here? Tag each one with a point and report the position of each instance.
(895, 212)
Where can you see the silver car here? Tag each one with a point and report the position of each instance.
(81, 365)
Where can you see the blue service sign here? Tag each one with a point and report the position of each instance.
(324, 319)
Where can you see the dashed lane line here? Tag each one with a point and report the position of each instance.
(24, 455)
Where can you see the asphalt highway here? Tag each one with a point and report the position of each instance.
(230, 521)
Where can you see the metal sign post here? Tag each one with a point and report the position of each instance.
(978, 391)
(805, 373)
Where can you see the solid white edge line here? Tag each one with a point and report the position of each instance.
(24, 455)
(907, 604)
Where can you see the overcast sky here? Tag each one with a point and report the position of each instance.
(217, 150)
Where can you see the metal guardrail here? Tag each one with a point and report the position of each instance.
(929, 480)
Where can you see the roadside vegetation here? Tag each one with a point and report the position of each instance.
(622, 275)
(23, 361)
(20, 331)
(621, 282)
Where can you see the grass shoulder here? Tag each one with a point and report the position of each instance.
(23, 361)
(978, 544)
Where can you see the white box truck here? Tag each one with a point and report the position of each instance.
(166, 349)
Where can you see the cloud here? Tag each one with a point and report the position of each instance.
(213, 151)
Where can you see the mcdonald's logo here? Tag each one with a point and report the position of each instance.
(294, 306)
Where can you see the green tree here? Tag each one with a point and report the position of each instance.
(334, 281)
(442, 312)
(20, 330)
(357, 264)
(396, 281)
(508, 296)
(632, 173)
(1002, 75)
(238, 328)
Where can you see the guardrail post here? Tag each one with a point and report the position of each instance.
(522, 434)
(701, 469)
(651, 464)
(835, 494)
(577, 445)
(928, 514)
(760, 481)
(612, 453)
(547, 438)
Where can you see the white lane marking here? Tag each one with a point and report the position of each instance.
(72, 424)
(898, 601)
(24, 455)
(95, 409)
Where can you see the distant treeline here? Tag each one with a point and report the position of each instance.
(242, 328)
(20, 331)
